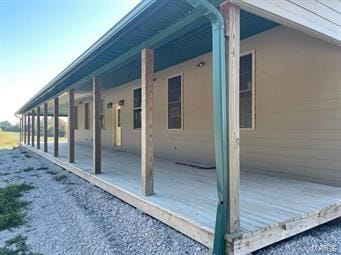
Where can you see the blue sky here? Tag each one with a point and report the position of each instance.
(39, 38)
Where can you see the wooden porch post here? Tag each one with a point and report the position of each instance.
(38, 127)
(71, 126)
(96, 117)
(20, 131)
(28, 129)
(231, 14)
(25, 129)
(56, 127)
(147, 150)
(45, 127)
(33, 128)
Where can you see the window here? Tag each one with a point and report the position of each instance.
(86, 117)
(175, 102)
(246, 91)
(76, 117)
(118, 117)
(137, 108)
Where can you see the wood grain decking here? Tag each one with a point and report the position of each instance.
(271, 208)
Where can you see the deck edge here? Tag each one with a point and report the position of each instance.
(252, 241)
(197, 232)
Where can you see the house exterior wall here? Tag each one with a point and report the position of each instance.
(297, 100)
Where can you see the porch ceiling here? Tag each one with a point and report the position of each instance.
(172, 28)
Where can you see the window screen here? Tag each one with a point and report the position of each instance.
(137, 108)
(174, 102)
(86, 117)
(246, 93)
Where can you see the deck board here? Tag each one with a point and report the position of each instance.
(191, 192)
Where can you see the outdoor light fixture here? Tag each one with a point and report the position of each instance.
(109, 105)
(200, 64)
(121, 102)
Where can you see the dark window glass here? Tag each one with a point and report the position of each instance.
(246, 92)
(137, 108)
(86, 117)
(118, 117)
(174, 102)
(76, 117)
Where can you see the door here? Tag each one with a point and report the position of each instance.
(117, 135)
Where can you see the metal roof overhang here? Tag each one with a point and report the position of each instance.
(172, 28)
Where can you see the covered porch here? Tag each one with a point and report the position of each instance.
(271, 208)
(252, 210)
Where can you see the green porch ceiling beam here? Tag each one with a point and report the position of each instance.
(220, 104)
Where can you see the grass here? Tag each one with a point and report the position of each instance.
(16, 246)
(60, 178)
(8, 140)
(11, 206)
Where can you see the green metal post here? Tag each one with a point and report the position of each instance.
(220, 103)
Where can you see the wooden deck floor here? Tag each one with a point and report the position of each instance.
(272, 208)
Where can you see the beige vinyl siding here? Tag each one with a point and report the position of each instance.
(83, 135)
(298, 109)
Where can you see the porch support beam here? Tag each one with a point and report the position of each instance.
(28, 129)
(25, 128)
(56, 127)
(33, 127)
(38, 127)
(147, 150)
(97, 132)
(71, 126)
(45, 127)
(231, 14)
(20, 130)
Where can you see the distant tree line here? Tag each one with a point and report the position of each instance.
(7, 126)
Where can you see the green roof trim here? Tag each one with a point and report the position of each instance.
(172, 28)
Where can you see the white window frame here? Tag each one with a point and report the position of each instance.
(253, 86)
(182, 102)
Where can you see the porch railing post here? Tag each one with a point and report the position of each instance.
(231, 14)
(38, 127)
(97, 132)
(45, 127)
(71, 126)
(20, 131)
(33, 128)
(25, 129)
(56, 127)
(147, 150)
(28, 129)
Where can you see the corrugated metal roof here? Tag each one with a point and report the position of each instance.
(117, 52)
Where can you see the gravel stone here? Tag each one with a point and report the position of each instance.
(75, 217)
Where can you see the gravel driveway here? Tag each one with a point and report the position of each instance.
(67, 215)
